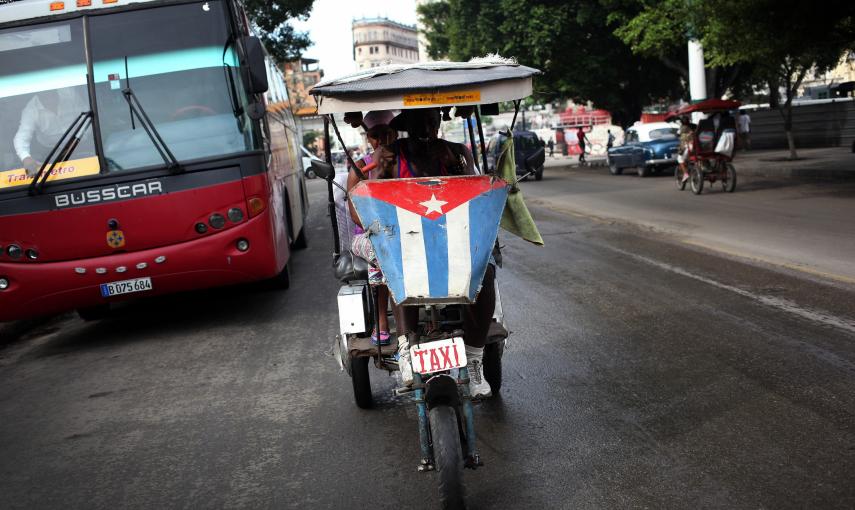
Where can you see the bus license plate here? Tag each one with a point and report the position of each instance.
(125, 287)
(431, 357)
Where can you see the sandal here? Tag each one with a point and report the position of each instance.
(385, 338)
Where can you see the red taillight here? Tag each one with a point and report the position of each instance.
(255, 206)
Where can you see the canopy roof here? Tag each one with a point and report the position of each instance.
(707, 106)
(396, 87)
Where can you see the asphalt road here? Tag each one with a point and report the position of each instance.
(642, 372)
(806, 226)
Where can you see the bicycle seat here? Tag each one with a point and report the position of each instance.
(349, 268)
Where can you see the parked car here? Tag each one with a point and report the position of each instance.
(526, 145)
(646, 148)
(308, 157)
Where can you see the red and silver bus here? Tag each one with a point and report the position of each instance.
(146, 147)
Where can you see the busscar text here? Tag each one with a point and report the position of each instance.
(108, 194)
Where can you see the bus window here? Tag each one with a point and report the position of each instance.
(42, 92)
(177, 69)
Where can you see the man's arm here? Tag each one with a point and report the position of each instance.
(24, 137)
(458, 149)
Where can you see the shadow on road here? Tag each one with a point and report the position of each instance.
(188, 312)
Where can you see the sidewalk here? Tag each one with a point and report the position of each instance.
(833, 163)
(827, 163)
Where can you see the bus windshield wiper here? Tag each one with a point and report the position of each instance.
(71, 137)
(148, 126)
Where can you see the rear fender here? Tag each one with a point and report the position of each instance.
(441, 390)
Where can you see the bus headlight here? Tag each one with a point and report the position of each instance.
(4, 283)
(217, 220)
(235, 215)
(14, 251)
(32, 254)
(242, 244)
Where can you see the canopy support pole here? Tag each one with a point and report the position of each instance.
(359, 173)
(481, 136)
(472, 144)
(516, 112)
(331, 196)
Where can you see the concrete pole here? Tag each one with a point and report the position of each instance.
(697, 76)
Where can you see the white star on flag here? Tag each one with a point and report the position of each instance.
(433, 205)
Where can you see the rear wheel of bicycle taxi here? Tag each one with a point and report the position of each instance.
(361, 381)
(696, 179)
(448, 456)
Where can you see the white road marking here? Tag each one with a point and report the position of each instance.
(783, 305)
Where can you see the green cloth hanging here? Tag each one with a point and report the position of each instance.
(515, 219)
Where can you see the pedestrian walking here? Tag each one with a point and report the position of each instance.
(611, 139)
(551, 146)
(582, 139)
(744, 130)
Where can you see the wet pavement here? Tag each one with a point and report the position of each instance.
(642, 372)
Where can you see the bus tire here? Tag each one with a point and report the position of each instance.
(94, 313)
(281, 281)
(302, 241)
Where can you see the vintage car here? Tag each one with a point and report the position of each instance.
(647, 148)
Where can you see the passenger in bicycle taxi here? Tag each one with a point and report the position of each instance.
(377, 132)
(423, 154)
(711, 128)
(686, 134)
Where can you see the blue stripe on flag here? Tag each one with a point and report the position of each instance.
(387, 243)
(436, 247)
(485, 212)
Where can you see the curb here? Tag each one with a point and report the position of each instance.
(804, 174)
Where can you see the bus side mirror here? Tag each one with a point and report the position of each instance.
(256, 68)
(323, 169)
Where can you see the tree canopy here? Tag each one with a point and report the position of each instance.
(775, 44)
(571, 42)
(625, 54)
(271, 19)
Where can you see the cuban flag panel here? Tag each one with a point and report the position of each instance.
(433, 236)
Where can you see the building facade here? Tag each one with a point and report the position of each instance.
(300, 76)
(837, 82)
(379, 41)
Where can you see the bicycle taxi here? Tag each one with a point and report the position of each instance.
(434, 239)
(711, 151)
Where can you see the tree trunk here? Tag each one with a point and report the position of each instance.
(712, 81)
(774, 97)
(792, 144)
(787, 114)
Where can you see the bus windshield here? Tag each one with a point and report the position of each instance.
(42, 91)
(177, 60)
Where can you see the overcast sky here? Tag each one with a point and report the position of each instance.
(329, 26)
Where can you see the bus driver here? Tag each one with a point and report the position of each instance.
(44, 119)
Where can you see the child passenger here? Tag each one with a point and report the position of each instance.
(378, 132)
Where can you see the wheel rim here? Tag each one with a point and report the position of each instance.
(696, 179)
